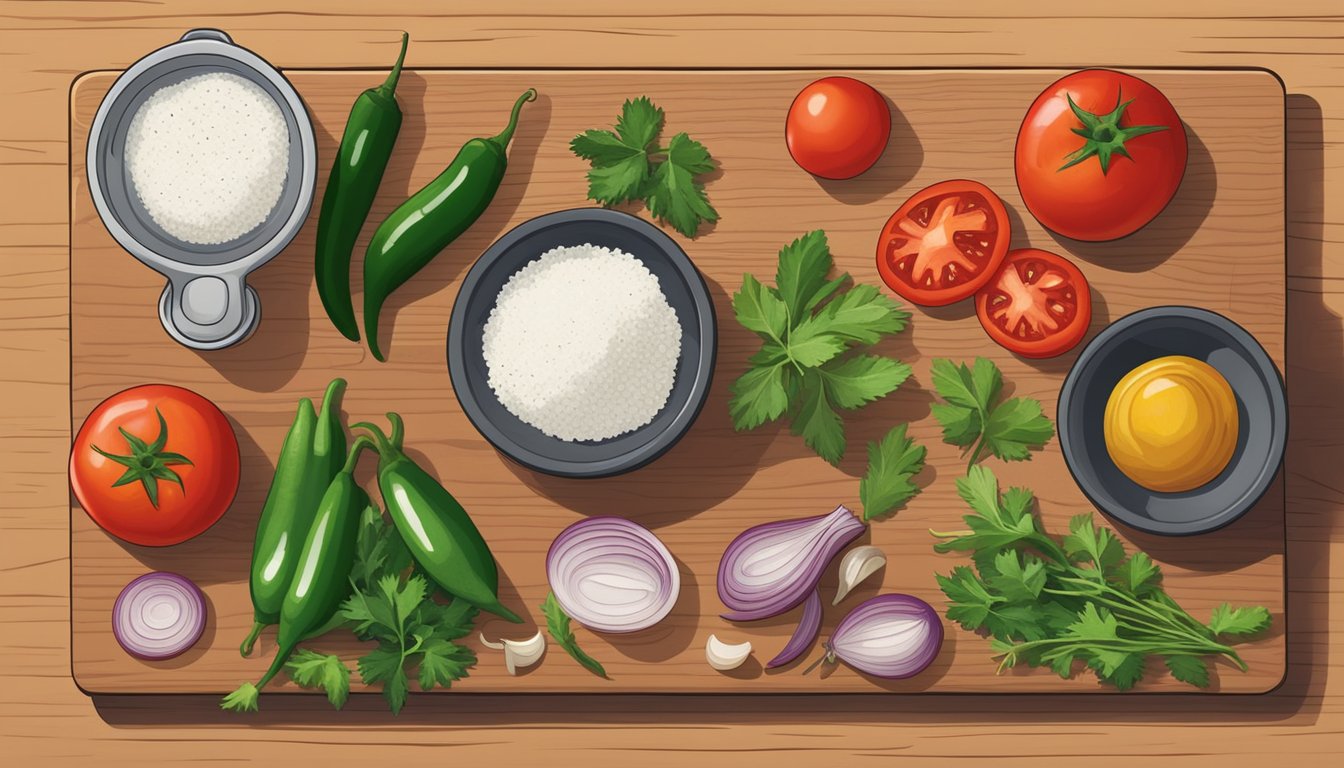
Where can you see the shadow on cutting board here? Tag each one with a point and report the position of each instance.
(1315, 378)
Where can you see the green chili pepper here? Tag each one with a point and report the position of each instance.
(432, 218)
(322, 579)
(370, 133)
(442, 539)
(309, 459)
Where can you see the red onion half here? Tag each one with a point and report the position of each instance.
(158, 616)
(889, 636)
(612, 575)
(773, 567)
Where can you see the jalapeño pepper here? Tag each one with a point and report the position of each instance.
(322, 576)
(309, 459)
(442, 539)
(432, 218)
(370, 133)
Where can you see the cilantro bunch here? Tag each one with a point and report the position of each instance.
(1079, 601)
(395, 607)
(972, 414)
(628, 164)
(802, 368)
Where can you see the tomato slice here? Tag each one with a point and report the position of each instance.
(945, 242)
(1038, 305)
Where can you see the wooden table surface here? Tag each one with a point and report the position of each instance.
(45, 720)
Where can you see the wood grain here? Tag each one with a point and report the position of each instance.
(1218, 245)
(45, 720)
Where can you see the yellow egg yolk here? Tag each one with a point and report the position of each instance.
(1171, 424)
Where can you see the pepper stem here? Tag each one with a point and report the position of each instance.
(375, 431)
(506, 135)
(389, 86)
(356, 448)
(398, 429)
(251, 640)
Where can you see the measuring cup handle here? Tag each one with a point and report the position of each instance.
(208, 33)
(208, 311)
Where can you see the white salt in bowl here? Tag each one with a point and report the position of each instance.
(680, 283)
(206, 303)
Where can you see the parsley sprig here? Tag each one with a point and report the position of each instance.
(558, 625)
(893, 463)
(628, 164)
(806, 329)
(1076, 601)
(973, 415)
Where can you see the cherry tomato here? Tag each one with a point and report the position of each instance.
(837, 127)
(155, 465)
(945, 242)
(1104, 165)
(1038, 305)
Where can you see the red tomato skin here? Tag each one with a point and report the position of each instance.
(837, 127)
(1051, 346)
(941, 297)
(196, 428)
(1081, 202)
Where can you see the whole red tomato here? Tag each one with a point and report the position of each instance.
(837, 127)
(1099, 154)
(155, 465)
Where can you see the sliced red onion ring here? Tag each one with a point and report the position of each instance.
(773, 567)
(158, 616)
(807, 630)
(612, 575)
(889, 636)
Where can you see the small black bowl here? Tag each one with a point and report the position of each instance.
(681, 284)
(1261, 406)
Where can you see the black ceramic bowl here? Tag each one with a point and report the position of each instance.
(1261, 406)
(685, 292)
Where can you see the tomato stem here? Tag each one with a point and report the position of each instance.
(147, 463)
(1103, 137)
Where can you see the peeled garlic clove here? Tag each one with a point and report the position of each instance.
(858, 564)
(726, 656)
(519, 654)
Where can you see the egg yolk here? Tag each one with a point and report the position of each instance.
(1171, 424)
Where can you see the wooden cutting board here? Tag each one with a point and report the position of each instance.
(1219, 245)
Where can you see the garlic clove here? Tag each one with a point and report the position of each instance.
(519, 654)
(858, 564)
(726, 656)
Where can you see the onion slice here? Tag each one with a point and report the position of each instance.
(807, 630)
(773, 567)
(612, 575)
(888, 636)
(158, 616)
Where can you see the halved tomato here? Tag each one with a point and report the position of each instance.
(1038, 305)
(945, 242)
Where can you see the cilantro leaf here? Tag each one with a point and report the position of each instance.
(970, 415)
(816, 422)
(892, 462)
(807, 366)
(857, 380)
(760, 309)
(558, 625)
(1086, 543)
(759, 396)
(802, 270)
(311, 669)
(627, 164)
(1016, 577)
(1189, 669)
(1140, 574)
(442, 662)
(1227, 620)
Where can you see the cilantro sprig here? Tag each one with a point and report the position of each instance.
(395, 607)
(558, 626)
(628, 164)
(1079, 601)
(802, 368)
(973, 415)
